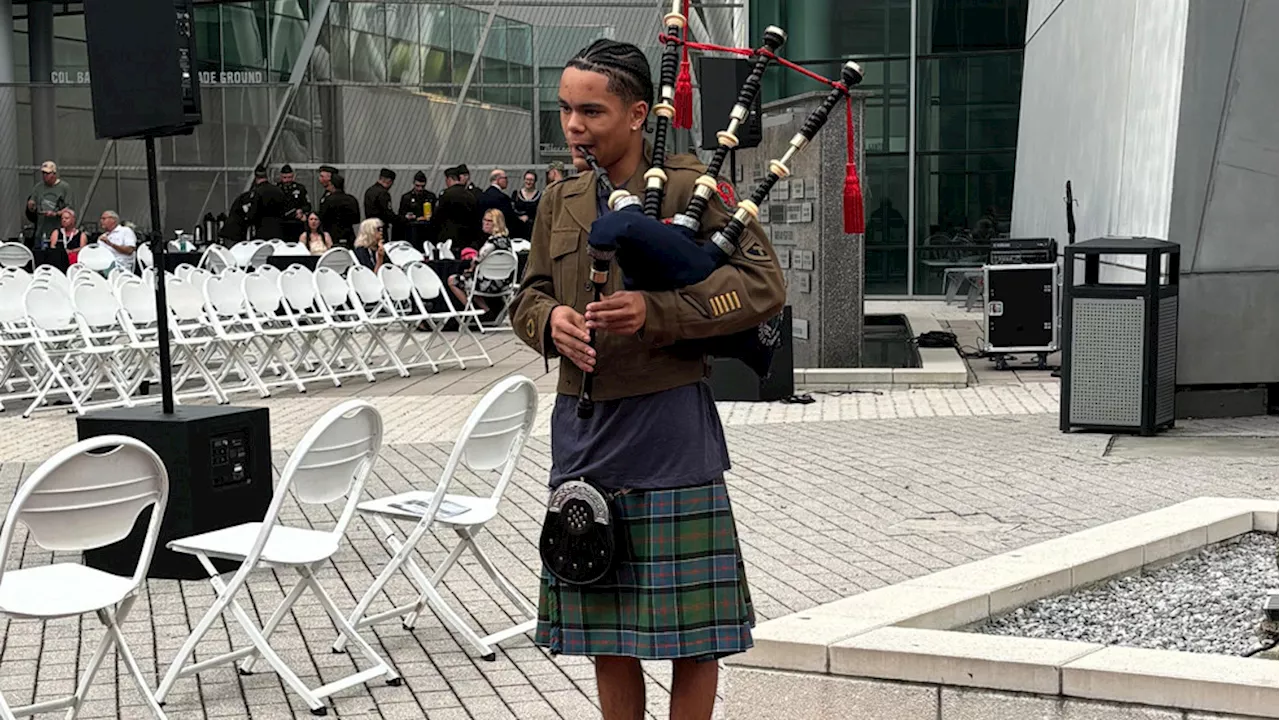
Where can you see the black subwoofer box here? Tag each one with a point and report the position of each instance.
(732, 380)
(219, 464)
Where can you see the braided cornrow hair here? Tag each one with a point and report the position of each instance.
(623, 63)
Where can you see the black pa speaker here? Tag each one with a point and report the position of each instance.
(142, 74)
(720, 80)
(219, 464)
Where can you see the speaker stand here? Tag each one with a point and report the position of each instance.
(158, 254)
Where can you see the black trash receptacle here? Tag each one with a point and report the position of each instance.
(1120, 332)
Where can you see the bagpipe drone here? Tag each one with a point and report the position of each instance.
(654, 255)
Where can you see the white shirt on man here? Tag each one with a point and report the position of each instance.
(123, 237)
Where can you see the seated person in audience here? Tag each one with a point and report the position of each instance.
(494, 226)
(369, 249)
(67, 236)
(315, 239)
(119, 238)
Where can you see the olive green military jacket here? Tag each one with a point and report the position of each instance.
(738, 295)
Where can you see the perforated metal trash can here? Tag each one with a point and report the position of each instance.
(1120, 332)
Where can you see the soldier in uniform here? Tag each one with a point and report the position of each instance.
(296, 204)
(455, 218)
(377, 201)
(416, 206)
(654, 442)
(340, 212)
(266, 215)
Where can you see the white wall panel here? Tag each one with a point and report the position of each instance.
(1100, 89)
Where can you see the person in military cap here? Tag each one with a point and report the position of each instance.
(296, 203)
(416, 207)
(456, 215)
(555, 172)
(340, 212)
(377, 199)
(267, 211)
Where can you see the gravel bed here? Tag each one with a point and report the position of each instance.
(1209, 602)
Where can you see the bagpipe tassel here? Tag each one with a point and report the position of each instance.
(684, 82)
(854, 218)
(684, 96)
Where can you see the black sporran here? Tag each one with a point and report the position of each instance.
(581, 534)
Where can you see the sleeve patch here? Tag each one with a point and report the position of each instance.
(756, 251)
(725, 303)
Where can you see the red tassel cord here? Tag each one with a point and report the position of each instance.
(854, 219)
(855, 222)
(684, 82)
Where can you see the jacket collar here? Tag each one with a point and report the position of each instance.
(580, 191)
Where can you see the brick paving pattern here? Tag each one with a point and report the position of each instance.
(852, 492)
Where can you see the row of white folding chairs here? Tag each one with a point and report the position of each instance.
(300, 325)
(101, 485)
(342, 324)
(62, 334)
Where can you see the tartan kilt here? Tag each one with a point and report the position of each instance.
(680, 590)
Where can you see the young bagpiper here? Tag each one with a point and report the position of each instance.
(653, 442)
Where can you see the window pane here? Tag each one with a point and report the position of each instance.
(886, 239)
(969, 102)
(966, 25)
(963, 201)
(244, 36)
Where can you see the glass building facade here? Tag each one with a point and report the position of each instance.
(378, 89)
(941, 127)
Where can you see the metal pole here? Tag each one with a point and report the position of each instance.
(466, 85)
(162, 303)
(11, 182)
(535, 157)
(911, 157)
(97, 175)
(44, 113)
(320, 11)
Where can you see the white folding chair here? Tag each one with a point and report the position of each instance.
(217, 258)
(368, 301)
(427, 286)
(104, 349)
(138, 320)
(145, 257)
(401, 254)
(330, 463)
(190, 336)
(17, 337)
(297, 289)
(260, 255)
(225, 306)
(497, 267)
(86, 496)
(333, 299)
(271, 329)
(57, 341)
(398, 296)
(491, 441)
(336, 259)
(243, 252)
(16, 255)
(96, 257)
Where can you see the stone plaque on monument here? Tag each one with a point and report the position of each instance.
(806, 217)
